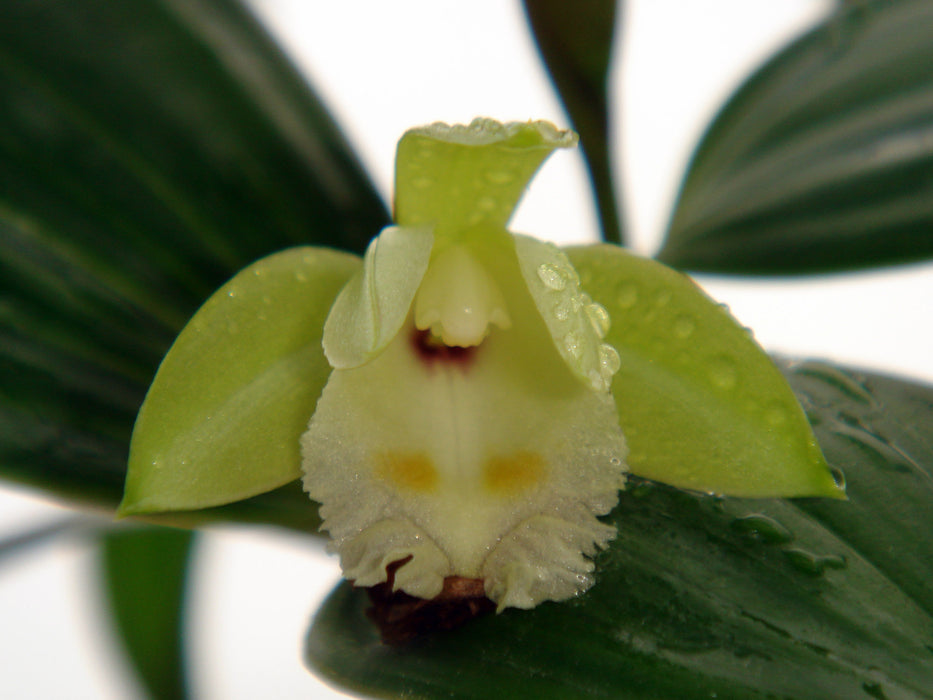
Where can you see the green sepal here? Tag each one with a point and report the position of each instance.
(700, 403)
(223, 417)
(458, 177)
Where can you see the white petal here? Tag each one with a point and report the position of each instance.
(576, 323)
(465, 449)
(373, 305)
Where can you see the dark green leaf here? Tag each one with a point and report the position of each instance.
(823, 160)
(575, 42)
(148, 150)
(706, 597)
(145, 574)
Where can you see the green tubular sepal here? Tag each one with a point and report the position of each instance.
(458, 177)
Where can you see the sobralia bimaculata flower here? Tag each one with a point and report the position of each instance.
(463, 406)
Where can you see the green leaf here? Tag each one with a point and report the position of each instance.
(701, 405)
(822, 160)
(145, 576)
(148, 151)
(705, 597)
(224, 415)
(576, 45)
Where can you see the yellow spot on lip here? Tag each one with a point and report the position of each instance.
(411, 471)
(514, 473)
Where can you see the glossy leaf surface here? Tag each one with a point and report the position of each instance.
(145, 575)
(576, 43)
(224, 414)
(148, 151)
(822, 160)
(701, 596)
(701, 405)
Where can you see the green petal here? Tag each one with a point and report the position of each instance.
(456, 177)
(372, 307)
(701, 405)
(223, 417)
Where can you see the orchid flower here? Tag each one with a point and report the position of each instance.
(466, 401)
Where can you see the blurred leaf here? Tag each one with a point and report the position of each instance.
(705, 597)
(148, 151)
(34, 536)
(575, 42)
(145, 575)
(823, 160)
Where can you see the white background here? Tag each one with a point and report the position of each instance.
(384, 67)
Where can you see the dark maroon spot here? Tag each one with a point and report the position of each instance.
(431, 350)
(402, 618)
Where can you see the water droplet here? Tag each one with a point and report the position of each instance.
(627, 296)
(599, 318)
(551, 277)
(684, 327)
(597, 381)
(486, 203)
(422, 183)
(813, 564)
(233, 293)
(761, 527)
(573, 345)
(609, 360)
(839, 477)
(562, 310)
(775, 415)
(722, 372)
(499, 177)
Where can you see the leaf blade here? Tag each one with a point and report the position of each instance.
(148, 152)
(818, 163)
(144, 575)
(576, 47)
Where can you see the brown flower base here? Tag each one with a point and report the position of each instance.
(402, 618)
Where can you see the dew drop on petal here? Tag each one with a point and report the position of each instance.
(562, 310)
(551, 277)
(627, 296)
(597, 381)
(500, 177)
(723, 373)
(486, 203)
(599, 318)
(609, 360)
(573, 344)
(775, 415)
(684, 327)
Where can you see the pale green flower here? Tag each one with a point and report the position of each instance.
(468, 409)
